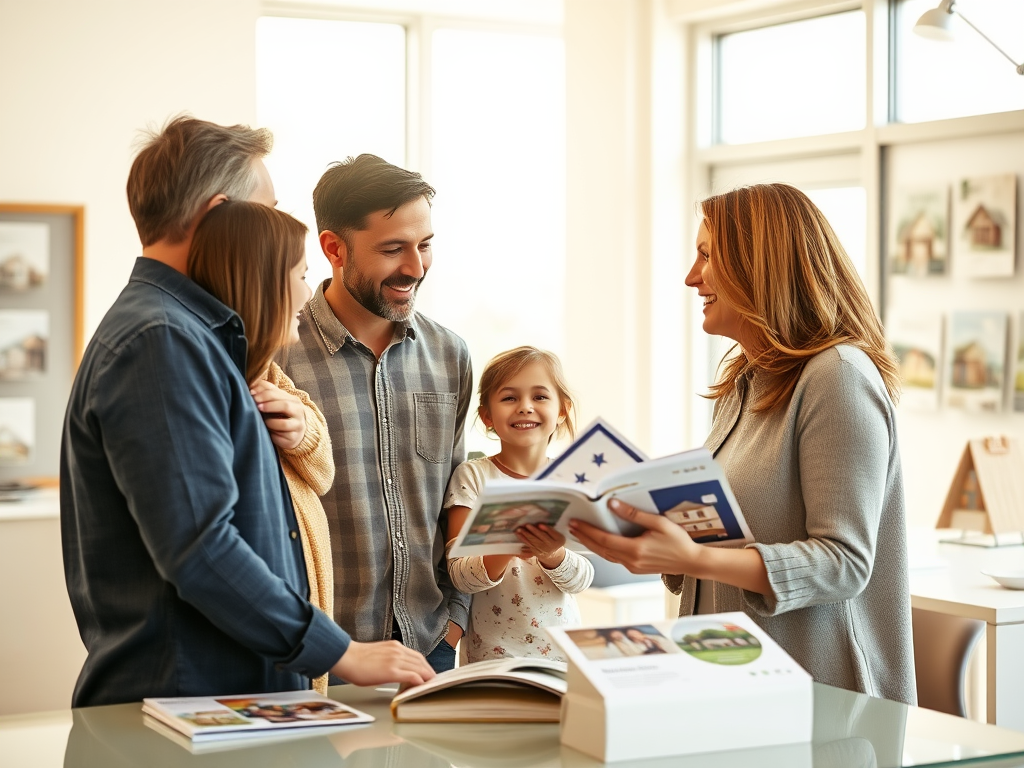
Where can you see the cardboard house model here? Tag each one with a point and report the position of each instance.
(987, 494)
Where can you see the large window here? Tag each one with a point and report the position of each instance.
(498, 161)
(800, 78)
(486, 127)
(328, 89)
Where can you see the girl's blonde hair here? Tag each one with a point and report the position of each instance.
(506, 365)
(776, 260)
(242, 253)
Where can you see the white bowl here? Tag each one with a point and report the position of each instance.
(1008, 579)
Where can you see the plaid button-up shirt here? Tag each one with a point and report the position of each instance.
(397, 426)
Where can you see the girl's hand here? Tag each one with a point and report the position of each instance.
(283, 413)
(663, 548)
(544, 542)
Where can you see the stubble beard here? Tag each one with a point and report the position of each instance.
(373, 300)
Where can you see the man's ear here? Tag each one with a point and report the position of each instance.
(212, 203)
(334, 248)
(215, 201)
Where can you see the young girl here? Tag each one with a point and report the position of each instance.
(252, 258)
(525, 402)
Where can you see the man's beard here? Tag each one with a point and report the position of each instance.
(362, 290)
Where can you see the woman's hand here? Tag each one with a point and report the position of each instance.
(544, 543)
(666, 548)
(283, 413)
(663, 547)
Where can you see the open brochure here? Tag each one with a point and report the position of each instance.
(230, 717)
(630, 687)
(498, 690)
(688, 488)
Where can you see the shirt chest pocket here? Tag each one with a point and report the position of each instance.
(435, 425)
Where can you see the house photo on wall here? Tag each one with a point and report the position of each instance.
(975, 360)
(919, 231)
(985, 220)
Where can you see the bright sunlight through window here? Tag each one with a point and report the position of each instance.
(327, 89)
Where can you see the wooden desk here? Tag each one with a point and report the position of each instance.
(850, 729)
(947, 578)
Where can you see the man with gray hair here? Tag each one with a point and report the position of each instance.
(181, 549)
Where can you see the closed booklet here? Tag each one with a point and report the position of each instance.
(494, 691)
(688, 488)
(702, 683)
(203, 718)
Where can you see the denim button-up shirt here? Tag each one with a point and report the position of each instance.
(181, 549)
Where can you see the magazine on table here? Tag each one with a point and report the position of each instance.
(688, 488)
(228, 717)
(498, 690)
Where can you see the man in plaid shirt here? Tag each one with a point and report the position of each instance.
(395, 389)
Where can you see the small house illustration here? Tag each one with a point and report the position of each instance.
(917, 367)
(970, 366)
(917, 244)
(35, 353)
(25, 356)
(16, 273)
(985, 228)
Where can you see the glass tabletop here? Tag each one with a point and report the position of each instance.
(851, 730)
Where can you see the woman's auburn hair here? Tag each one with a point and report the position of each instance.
(776, 260)
(242, 254)
(508, 364)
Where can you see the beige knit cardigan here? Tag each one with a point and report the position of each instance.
(309, 470)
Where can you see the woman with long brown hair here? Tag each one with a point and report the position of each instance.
(252, 258)
(805, 429)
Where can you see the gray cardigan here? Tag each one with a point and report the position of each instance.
(820, 484)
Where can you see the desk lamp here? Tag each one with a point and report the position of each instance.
(935, 24)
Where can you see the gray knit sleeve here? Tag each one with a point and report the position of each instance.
(844, 440)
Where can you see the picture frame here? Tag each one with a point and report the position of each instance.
(41, 334)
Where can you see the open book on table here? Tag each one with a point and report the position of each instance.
(688, 488)
(231, 717)
(498, 690)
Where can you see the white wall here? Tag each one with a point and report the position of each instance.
(80, 79)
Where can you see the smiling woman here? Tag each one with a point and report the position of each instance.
(804, 427)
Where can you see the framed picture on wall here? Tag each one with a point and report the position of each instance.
(41, 333)
(24, 334)
(975, 360)
(24, 255)
(985, 218)
(919, 231)
(917, 340)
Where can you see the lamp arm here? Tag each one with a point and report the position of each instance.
(954, 9)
